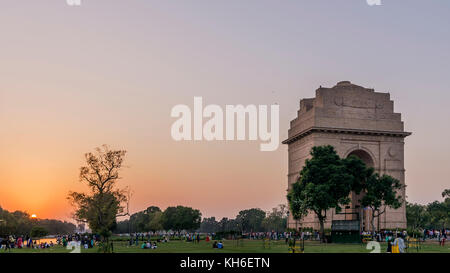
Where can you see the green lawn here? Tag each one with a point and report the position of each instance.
(244, 246)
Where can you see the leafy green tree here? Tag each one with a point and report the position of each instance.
(359, 172)
(155, 222)
(140, 221)
(446, 194)
(439, 214)
(105, 202)
(417, 216)
(381, 192)
(38, 232)
(145, 220)
(209, 225)
(55, 227)
(122, 227)
(181, 218)
(20, 223)
(276, 220)
(435, 215)
(152, 209)
(324, 183)
(228, 225)
(251, 219)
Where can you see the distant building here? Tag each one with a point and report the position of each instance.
(356, 121)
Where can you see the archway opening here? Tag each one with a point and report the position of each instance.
(355, 207)
(364, 156)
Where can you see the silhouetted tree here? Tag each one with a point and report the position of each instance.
(105, 202)
(251, 219)
(181, 218)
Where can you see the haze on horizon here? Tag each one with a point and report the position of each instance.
(109, 72)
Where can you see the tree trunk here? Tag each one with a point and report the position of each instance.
(322, 230)
(372, 222)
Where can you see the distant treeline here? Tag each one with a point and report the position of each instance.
(189, 219)
(435, 215)
(20, 223)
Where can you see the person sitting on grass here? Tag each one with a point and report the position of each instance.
(220, 245)
(144, 245)
(148, 245)
(215, 244)
(154, 246)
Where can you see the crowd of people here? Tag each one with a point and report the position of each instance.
(396, 240)
(195, 238)
(435, 234)
(11, 242)
(428, 234)
(145, 238)
(86, 240)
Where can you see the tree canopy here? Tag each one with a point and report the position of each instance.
(381, 192)
(181, 218)
(20, 223)
(326, 181)
(100, 207)
(434, 215)
(250, 219)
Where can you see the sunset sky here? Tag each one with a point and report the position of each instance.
(110, 71)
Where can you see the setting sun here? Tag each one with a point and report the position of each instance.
(33, 216)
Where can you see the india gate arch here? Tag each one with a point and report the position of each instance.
(355, 121)
(355, 206)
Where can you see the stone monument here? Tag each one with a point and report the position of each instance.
(356, 121)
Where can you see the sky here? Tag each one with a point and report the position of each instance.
(109, 72)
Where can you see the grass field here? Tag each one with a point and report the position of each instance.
(244, 246)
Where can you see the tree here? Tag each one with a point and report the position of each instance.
(154, 215)
(324, 183)
(155, 222)
(439, 214)
(19, 223)
(181, 218)
(38, 232)
(140, 221)
(381, 191)
(276, 219)
(417, 216)
(228, 225)
(56, 227)
(251, 219)
(209, 225)
(359, 172)
(446, 194)
(435, 215)
(105, 202)
(152, 209)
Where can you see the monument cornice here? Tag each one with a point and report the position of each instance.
(345, 131)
